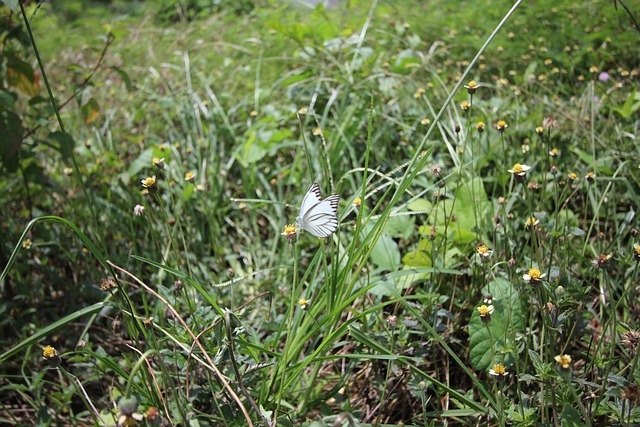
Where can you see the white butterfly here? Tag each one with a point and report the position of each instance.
(318, 216)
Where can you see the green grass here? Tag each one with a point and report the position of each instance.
(193, 308)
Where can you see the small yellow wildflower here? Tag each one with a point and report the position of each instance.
(253, 113)
(593, 69)
(483, 251)
(564, 360)
(534, 276)
(519, 171)
(302, 111)
(304, 303)
(554, 152)
(471, 87)
(498, 370)
(636, 252)
(425, 122)
(290, 232)
(26, 244)
(317, 132)
(67, 171)
(49, 352)
(532, 221)
(485, 312)
(50, 355)
(150, 183)
(590, 176)
(464, 105)
(572, 176)
(357, 202)
(480, 127)
(189, 176)
(418, 93)
(501, 125)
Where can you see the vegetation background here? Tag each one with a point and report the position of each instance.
(485, 271)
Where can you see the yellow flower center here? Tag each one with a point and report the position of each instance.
(517, 168)
(357, 201)
(499, 369)
(49, 352)
(483, 310)
(636, 249)
(289, 229)
(472, 84)
(149, 182)
(572, 176)
(535, 274)
(482, 249)
(502, 124)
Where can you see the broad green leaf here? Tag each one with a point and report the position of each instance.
(571, 417)
(21, 76)
(400, 227)
(506, 320)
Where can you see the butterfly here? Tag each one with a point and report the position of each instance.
(318, 216)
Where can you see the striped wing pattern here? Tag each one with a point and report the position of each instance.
(318, 216)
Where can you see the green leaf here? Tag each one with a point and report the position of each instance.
(11, 139)
(571, 417)
(12, 5)
(630, 106)
(506, 320)
(385, 253)
(21, 76)
(90, 111)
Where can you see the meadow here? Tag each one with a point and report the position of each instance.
(157, 268)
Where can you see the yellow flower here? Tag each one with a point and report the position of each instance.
(532, 221)
(304, 303)
(480, 127)
(189, 176)
(554, 152)
(501, 125)
(357, 202)
(49, 352)
(564, 360)
(483, 251)
(150, 183)
(50, 355)
(590, 176)
(498, 370)
(534, 276)
(593, 69)
(471, 87)
(465, 106)
(67, 171)
(572, 176)
(519, 170)
(418, 93)
(317, 132)
(425, 121)
(636, 252)
(26, 244)
(485, 312)
(303, 110)
(290, 232)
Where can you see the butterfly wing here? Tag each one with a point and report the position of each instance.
(311, 199)
(321, 219)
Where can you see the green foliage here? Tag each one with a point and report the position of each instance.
(177, 143)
